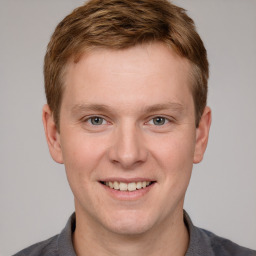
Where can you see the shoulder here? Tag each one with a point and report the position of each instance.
(224, 247)
(204, 242)
(55, 246)
(45, 248)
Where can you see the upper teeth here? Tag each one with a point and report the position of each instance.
(127, 186)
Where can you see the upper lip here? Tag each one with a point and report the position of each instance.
(127, 180)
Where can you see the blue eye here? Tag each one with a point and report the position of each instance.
(159, 120)
(96, 120)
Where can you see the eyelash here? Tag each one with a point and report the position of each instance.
(93, 117)
(166, 120)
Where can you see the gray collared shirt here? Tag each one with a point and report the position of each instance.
(202, 243)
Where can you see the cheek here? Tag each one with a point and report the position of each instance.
(81, 156)
(174, 152)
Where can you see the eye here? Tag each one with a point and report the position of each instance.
(159, 120)
(96, 120)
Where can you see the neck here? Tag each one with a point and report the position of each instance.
(170, 238)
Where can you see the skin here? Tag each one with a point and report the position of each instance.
(128, 89)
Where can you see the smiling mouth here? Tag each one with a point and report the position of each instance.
(132, 186)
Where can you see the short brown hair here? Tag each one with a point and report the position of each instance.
(120, 24)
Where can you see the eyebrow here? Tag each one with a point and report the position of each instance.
(90, 107)
(174, 106)
(165, 106)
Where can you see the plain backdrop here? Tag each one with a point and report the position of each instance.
(35, 198)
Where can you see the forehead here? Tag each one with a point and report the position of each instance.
(146, 72)
(155, 55)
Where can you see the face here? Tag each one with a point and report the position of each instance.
(128, 137)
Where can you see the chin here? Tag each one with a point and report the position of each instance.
(130, 224)
(129, 229)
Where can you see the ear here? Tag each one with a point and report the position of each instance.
(52, 135)
(202, 135)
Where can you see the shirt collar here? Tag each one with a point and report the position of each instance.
(65, 244)
(199, 242)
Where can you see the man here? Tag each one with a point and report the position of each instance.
(126, 88)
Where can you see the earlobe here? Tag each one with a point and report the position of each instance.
(202, 135)
(52, 135)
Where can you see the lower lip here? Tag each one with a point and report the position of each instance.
(128, 195)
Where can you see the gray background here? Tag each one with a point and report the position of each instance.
(35, 198)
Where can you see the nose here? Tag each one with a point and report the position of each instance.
(128, 148)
